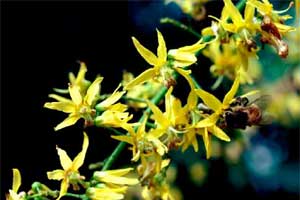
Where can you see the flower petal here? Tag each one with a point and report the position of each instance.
(183, 63)
(157, 133)
(69, 121)
(160, 147)
(74, 91)
(107, 193)
(63, 188)
(284, 28)
(13, 195)
(16, 180)
(67, 107)
(142, 127)
(113, 98)
(249, 13)
(207, 140)
(168, 103)
(135, 155)
(186, 75)
(114, 172)
(115, 179)
(81, 74)
(143, 77)
(182, 58)
(233, 12)
(161, 49)
(192, 49)
(219, 133)
(60, 98)
(210, 100)
(145, 53)
(165, 163)
(209, 121)
(79, 159)
(158, 115)
(123, 138)
(192, 100)
(263, 8)
(93, 91)
(231, 93)
(207, 31)
(229, 27)
(57, 174)
(195, 142)
(72, 77)
(65, 160)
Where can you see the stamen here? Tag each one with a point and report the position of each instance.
(285, 10)
(211, 16)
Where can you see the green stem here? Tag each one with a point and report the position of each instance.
(180, 25)
(241, 4)
(114, 130)
(78, 196)
(151, 125)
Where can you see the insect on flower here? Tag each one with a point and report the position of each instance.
(247, 110)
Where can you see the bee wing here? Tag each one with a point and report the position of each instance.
(267, 118)
(257, 97)
(262, 102)
(250, 96)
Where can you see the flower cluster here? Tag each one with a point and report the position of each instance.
(180, 123)
(236, 36)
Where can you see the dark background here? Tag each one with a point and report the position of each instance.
(40, 43)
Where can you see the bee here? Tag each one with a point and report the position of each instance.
(247, 110)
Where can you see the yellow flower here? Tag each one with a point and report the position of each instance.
(80, 80)
(140, 92)
(161, 67)
(265, 8)
(142, 142)
(208, 125)
(153, 178)
(79, 106)
(136, 139)
(185, 56)
(115, 116)
(239, 24)
(109, 101)
(113, 184)
(228, 59)
(172, 123)
(69, 174)
(13, 193)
